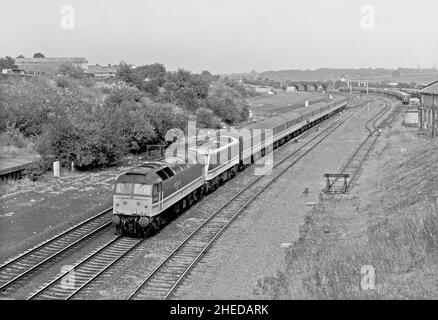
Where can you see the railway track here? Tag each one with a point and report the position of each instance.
(102, 260)
(360, 154)
(167, 276)
(22, 266)
(71, 282)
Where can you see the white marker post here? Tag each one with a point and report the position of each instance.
(56, 169)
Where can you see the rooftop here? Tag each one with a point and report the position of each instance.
(431, 88)
(51, 60)
(101, 69)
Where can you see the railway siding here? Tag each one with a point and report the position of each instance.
(241, 257)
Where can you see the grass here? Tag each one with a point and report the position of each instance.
(281, 102)
(12, 186)
(13, 151)
(16, 150)
(400, 241)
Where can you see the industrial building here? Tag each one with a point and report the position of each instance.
(49, 66)
(98, 71)
(429, 109)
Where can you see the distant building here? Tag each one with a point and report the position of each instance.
(17, 72)
(48, 65)
(98, 71)
(429, 109)
(260, 89)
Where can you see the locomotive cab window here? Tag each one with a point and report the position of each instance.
(125, 188)
(142, 189)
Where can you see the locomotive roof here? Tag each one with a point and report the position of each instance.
(216, 143)
(154, 172)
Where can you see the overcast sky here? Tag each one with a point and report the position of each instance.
(226, 36)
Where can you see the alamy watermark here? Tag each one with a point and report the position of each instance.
(68, 20)
(368, 20)
(224, 146)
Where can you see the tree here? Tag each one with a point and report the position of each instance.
(207, 76)
(20, 57)
(165, 116)
(38, 55)
(125, 73)
(153, 72)
(27, 104)
(206, 119)
(71, 70)
(7, 63)
(87, 134)
(185, 89)
(147, 78)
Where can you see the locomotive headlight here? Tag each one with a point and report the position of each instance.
(138, 204)
(143, 221)
(125, 202)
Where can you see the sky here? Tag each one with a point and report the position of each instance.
(226, 36)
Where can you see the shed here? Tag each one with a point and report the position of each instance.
(429, 109)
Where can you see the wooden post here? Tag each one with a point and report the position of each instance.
(327, 184)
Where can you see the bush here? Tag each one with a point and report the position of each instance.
(165, 116)
(228, 110)
(71, 71)
(37, 170)
(13, 137)
(90, 137)
(26, 104)
(185, 89)
(206, 119)
(76, 120)
(63, 82)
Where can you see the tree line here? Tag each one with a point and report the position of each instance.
(92, 124)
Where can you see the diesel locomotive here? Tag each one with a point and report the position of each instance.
(146, 197)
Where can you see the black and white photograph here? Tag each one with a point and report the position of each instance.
(230, 152)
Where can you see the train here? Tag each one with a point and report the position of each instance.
(148, 196)
(400, 95)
